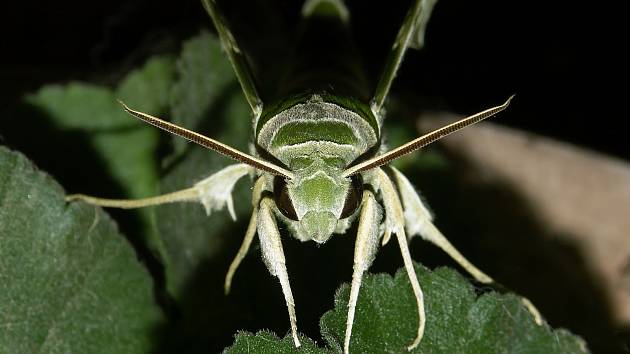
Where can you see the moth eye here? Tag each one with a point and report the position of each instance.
(353, 198)
(282, 199)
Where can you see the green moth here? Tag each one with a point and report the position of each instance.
(317, 160)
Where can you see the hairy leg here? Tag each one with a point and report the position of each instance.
(419, 221)
(273, 256)
(364, 253)
(249, 235)
(395, 223)
(214, 192)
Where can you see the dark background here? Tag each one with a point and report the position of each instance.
(553, 55)
(560, 58)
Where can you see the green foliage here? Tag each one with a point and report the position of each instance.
(458, 321)
(207, 99)
(265, 342)
(126, 146)
(71, 282)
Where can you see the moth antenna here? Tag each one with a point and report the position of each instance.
(210, 143)
(424, 140)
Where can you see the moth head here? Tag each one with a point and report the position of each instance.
(317, 201)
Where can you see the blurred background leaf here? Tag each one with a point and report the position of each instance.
(207, 99)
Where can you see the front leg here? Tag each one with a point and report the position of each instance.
(419, 221)
(214, 192)
(395, 223)
(364, 253)
(273, 256)
(249, 234)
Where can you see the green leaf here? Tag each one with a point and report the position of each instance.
(265, 342)
(207, 99)
(69, 282)
(122, 143)
(149, 87)
(458, 321)
(126, 146)
(205, 80)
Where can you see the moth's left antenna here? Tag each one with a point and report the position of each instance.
(424, 140)
(210, 143)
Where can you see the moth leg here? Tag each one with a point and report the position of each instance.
(364, 253)
(419, 221)
(415, 285)
(273, 256)
(249, 235)
(184, 195)
(395, 223)
(242, 251)
(214, 193)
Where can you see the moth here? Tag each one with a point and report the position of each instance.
(317, 159)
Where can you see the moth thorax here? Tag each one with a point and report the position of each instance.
(316, 126)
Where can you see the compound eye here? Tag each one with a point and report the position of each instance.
(354, 196)
(282, 199)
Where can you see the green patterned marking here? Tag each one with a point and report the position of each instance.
(349, 103)
(311, 189)
(301, 162)
(356, 106)
(280, 106)
(302, 132)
